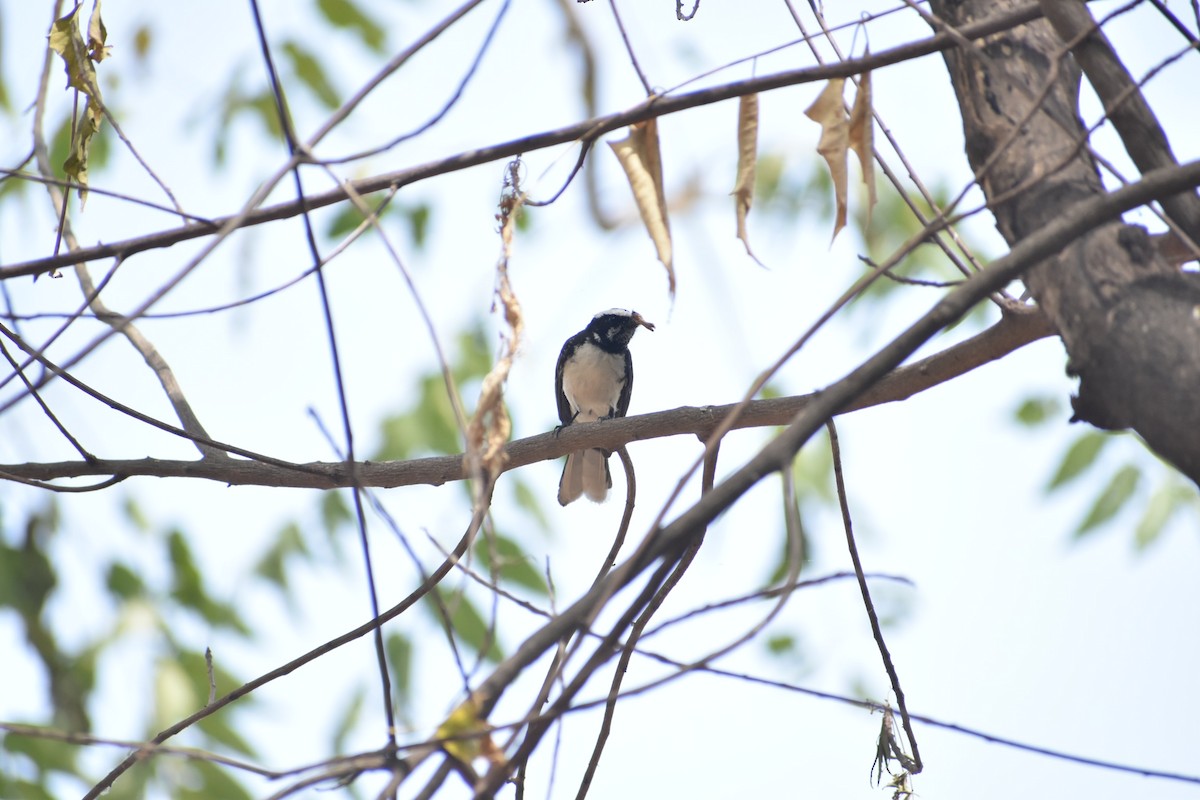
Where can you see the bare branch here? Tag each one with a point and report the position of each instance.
(585, 131)
(1124, 104)
(1015, 330)
(914, 764)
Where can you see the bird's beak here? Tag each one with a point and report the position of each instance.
(640, 320)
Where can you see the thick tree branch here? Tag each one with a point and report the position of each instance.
(1126, 107)
(586, 131)
(1016, 329)
(1128, 318)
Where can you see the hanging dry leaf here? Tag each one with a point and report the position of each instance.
(66, 39)
(466, 736)
(491, 427)
(640, 158)
(743, 190)
(862, 138)
(97, 36)
(829, 110)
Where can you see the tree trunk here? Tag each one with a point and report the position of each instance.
(1129, 319)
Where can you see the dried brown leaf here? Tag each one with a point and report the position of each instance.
(830, 112)
(466, 735)
(743, 190)
(640, 158)
(862, 138)
(491, 427)
(97, 36)
(66, 39)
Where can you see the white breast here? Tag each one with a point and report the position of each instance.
(592, 382)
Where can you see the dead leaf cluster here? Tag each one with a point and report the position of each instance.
(840, 132)
(79, 55)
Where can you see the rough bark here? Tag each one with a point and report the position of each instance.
(1129, 319)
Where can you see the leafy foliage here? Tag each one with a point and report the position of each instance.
(348, 15)
(78, 54)
(1169, 496)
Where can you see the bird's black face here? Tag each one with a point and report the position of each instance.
(611, 330)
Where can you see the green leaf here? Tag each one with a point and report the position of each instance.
(527, 501)
(1167, 500)
(209, 781)
(47, 754)
(334, 512)
(348, 721)
(235, 104)
(474, 355)
(345, 14)
(813, 471)
(272, 565)
(418, 223)
(220, 729)
(123, 583)
(399, 651)
(23, 789)
(430, 426)
(26, 575)
(186, 679)
(348, 218)
(134, 514)
(1081, 455)
(187, 588)
(309, 71)
(187, 583)
(781, 644)
(1036, 410)
(143, 37)
(11, 187)
(504, 556)
(1112, 499)
(468, 624)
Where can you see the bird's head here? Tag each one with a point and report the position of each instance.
(612, 329)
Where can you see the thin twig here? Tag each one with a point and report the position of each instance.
(18, 370)
(117, 323)
(914, 766)
(629, 49)
(626, 517)
(411, 599)
(656, 106)
(288, 129)
(450, 102)
(207, 443)
(635, 633)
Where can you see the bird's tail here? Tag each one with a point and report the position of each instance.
(586, 472)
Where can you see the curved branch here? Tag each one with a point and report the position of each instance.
(1126, 107)
(1127, 316)
(588, 130)
(1016, 329)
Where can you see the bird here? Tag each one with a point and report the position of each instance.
(593, 381)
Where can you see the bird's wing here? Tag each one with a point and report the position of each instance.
(565, 413)
(627, 389)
